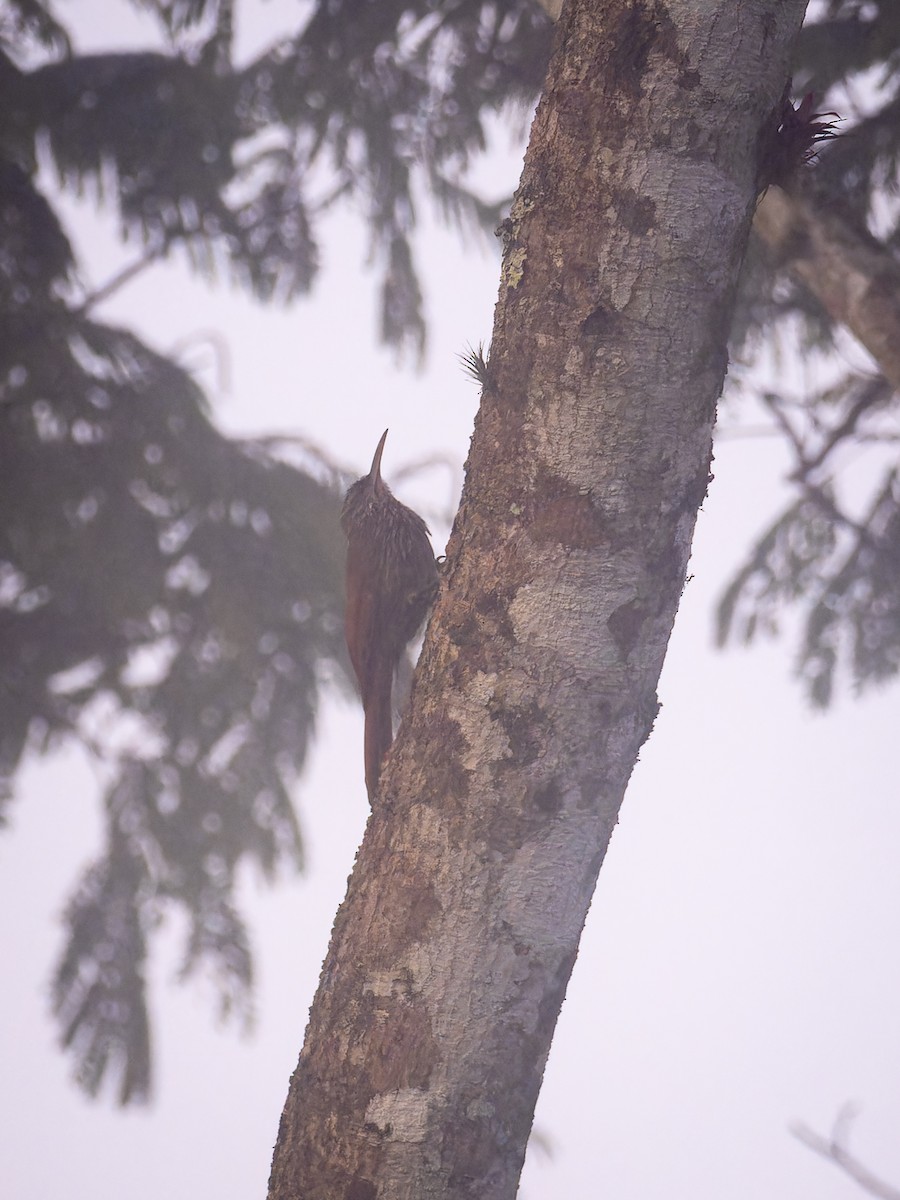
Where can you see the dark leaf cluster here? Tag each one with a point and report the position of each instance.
(169, 597)
(233, 164)
(796, 137)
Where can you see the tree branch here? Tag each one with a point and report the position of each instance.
(151, 255)
(835, 1150)
(854, 277)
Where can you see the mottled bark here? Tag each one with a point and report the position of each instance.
(853, 276)
(537, 686)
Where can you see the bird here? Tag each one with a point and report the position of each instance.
(391, 583)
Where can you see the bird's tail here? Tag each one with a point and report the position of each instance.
(379, 725)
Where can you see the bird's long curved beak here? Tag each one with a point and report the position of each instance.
(375, 470)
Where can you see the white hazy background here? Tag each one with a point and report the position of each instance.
(740, 967)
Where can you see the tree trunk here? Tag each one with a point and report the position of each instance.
(537, 686)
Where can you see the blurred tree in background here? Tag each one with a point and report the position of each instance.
(822, 288)
(182, 588)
